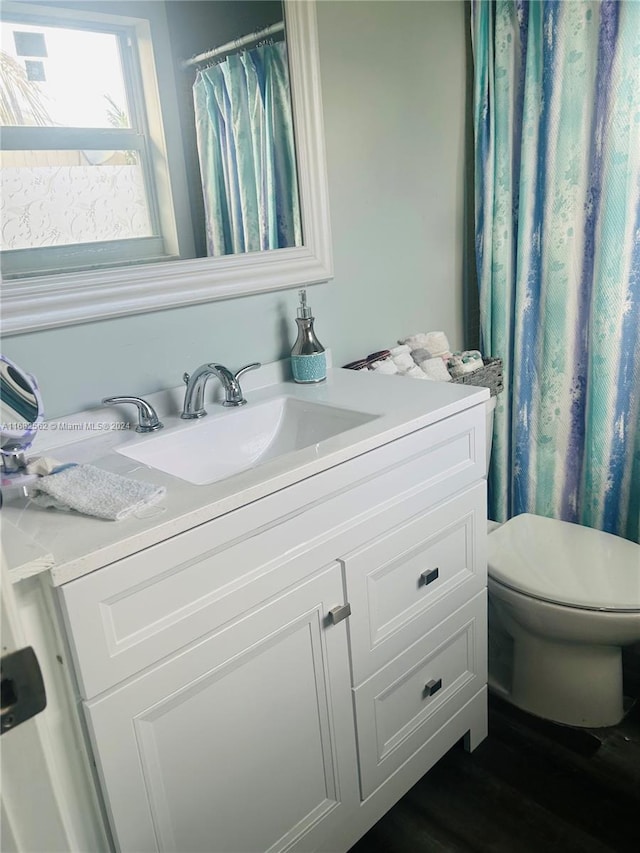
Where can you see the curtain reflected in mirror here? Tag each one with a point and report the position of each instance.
(244, 128)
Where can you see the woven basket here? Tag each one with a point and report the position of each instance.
(489, 376)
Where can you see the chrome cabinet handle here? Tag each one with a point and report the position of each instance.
(429, 576)
(432, 686)
(337, 614)
(147, 418)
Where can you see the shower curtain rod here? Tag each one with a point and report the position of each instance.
(236, 44)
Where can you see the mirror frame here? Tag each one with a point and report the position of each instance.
(45, 302)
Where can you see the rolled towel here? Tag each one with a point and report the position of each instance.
(403, 361)
(437, 344)
(436, 369)
(455, 366)
(468, 353)
(415, 373)
(459, 365)
(419, 355)
(93, 491)
(399, 349)
(414, 341)
(384, 366)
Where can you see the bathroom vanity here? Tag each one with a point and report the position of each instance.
(271, 660)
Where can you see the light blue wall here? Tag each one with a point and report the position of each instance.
(393, 87)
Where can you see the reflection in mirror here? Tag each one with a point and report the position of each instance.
(20, 413)
(130, 274)
(97, 173)
(244, 128)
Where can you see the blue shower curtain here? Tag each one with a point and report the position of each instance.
(557, 183)
(244, 129)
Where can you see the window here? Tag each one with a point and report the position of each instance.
(80, 162)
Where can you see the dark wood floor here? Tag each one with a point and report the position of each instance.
(530, 787)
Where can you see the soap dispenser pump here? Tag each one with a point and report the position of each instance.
(308, 359)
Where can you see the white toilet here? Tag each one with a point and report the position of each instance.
(563, 600)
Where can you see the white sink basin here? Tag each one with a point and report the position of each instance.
(221, 445)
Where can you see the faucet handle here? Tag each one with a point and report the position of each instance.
(147, 418)
(253, 366)
(233, 394)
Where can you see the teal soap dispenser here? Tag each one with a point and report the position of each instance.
(308, 359)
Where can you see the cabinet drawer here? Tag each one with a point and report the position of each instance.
(407, 580)
(133, 614)
(400, 707)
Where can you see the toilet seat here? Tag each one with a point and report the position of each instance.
(566, 564)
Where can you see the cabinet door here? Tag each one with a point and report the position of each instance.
(242, 742)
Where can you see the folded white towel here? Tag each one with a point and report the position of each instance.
(403, 361)
(93, 491)
(436, 369)
(384, 366)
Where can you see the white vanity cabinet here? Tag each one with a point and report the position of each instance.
(232, 702)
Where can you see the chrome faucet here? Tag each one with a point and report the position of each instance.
(194, 395)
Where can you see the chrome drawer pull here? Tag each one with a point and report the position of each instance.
(429, 576)
(337, 614)
(432, 686)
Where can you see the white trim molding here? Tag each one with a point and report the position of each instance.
(46, 302)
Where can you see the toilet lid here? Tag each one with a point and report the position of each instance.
(566, 563)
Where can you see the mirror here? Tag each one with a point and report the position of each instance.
(21, 411)
(303, 257)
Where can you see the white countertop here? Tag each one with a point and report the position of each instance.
(70, 545)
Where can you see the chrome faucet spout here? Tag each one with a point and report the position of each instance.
(196, 382)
